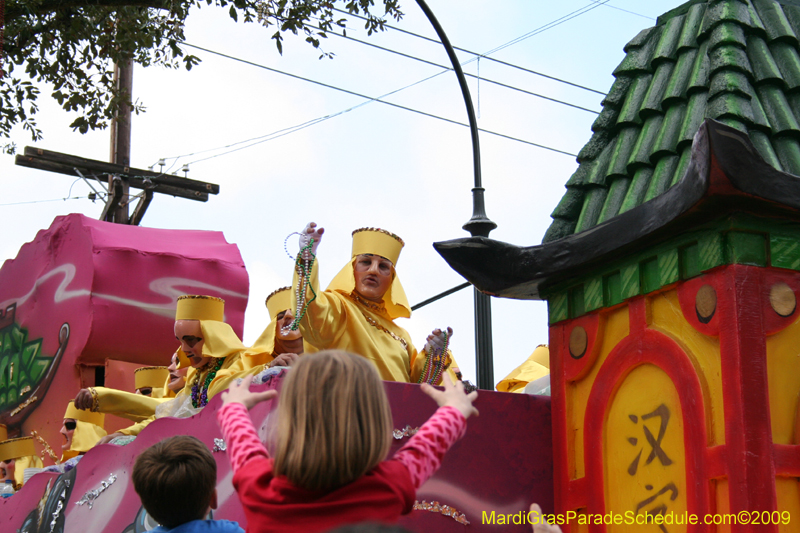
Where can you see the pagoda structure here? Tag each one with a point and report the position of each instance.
(672, 272)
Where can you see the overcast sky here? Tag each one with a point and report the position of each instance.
(367, 165)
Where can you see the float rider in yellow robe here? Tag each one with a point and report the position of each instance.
(212, 351)
(137, 406)
(278, 345)
(535, 367)
(82, 431)
(356, 312)
(15, 456)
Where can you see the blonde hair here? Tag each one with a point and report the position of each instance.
(334, 422)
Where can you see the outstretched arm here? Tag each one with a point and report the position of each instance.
(243, 444)
(320, 315)
(540, 525)
(423, 454)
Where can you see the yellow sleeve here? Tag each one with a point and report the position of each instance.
(420, 360)
(233, 368)
(322, 322)
(136, 428)
(134, 407)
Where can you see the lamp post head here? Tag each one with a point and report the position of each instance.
(479, 225)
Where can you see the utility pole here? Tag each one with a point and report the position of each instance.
(147, 181)
(116, 209)
(118, 174)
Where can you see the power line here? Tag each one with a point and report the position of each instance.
(298, 127)
(286, 131)
(43, 201)
(238, 142)
(631, 12)
(484, 56)
(487, 80)
(269, 137)
(585, 9)
(347, 91)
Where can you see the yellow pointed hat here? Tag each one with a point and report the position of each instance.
(278, 301)
(150, 376)
(219, 338)
(537, 365)
(386, 244)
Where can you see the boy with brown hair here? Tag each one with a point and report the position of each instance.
(176, 480)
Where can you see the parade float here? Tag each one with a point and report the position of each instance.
(671, 276)
(671, 272)
(86, 300)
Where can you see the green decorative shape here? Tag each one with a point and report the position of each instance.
(612, 289)
(784, 252)
(576, 302)
(29, 353)
(690, 261)
(746, 248)
(558, 307)
(29, 366)
(650, 274)
(593, 294)
(668, 267)
(630, 285)
(710, 251)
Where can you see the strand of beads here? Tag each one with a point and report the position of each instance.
(303, 264)
(285, 249)
(435, 364)
(200, 394)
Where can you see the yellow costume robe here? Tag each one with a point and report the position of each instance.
(233, 367)
(535, 367)
(339, 320)
(29, 461)
(219, 342)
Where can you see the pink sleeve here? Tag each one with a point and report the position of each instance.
(240, 436)
(423, 454)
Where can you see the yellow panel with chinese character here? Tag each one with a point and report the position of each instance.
(616, 328)
(703, 351)
(783, 353)
(643, 452)
(788, 515)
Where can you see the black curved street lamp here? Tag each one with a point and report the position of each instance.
(478, 226)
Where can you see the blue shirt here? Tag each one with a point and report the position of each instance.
(202, 526)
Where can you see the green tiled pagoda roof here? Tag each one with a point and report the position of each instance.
(735, 61)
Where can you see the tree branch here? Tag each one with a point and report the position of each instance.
(17, 9)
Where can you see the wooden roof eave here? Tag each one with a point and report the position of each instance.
(725, 175)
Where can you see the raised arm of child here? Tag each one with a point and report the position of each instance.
(540, 525)
(233, 418)
(423, 453)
